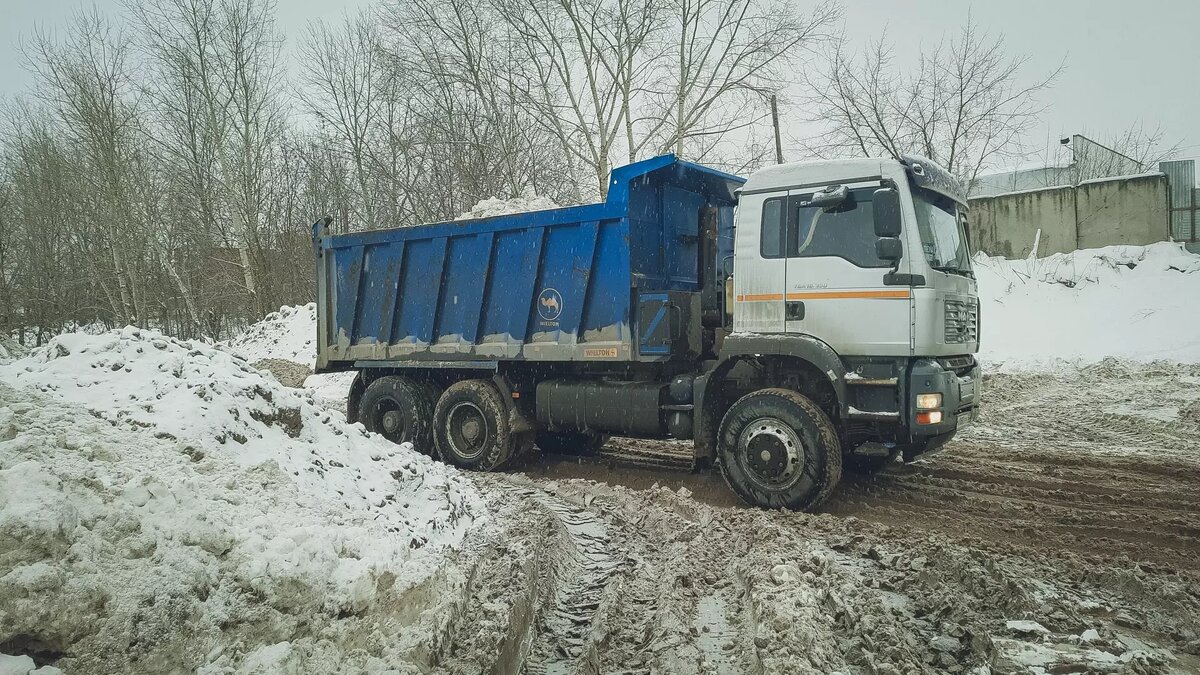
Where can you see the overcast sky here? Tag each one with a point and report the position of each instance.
(1126, 62)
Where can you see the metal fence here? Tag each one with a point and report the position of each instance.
(1184, 202)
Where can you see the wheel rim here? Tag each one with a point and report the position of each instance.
(390, 421)
(771, 453)
(467, 430)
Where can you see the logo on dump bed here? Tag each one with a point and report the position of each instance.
(549, 304)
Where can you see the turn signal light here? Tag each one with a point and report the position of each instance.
(929, 401)
(931, 417)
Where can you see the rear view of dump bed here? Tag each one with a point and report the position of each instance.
(595, 282)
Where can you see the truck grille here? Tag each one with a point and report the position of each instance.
(962, 321)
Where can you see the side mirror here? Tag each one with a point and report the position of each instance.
(889, 249)
(829, 197)
(885, 205)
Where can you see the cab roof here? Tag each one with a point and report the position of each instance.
(819, 172)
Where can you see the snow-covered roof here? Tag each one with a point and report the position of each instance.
(1012, 193)
(1131, 176)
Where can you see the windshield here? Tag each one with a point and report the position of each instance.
(942, 236)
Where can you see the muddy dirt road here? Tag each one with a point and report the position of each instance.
(1061, 534)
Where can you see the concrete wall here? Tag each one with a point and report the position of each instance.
(1007, 224)
(1127, 210)
(1103, 212)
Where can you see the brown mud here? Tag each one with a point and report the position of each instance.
(1060, 534)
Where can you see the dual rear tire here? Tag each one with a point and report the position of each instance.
(399, 409)
(467, 425)
(471, 426)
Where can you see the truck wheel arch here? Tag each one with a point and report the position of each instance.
(805, 353)
(354, 397)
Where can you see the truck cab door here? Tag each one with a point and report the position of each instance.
(833, 285)
(758, 277)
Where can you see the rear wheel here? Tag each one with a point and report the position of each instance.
(778, 449)
(471, 427)
(399, 410)
(571, 442)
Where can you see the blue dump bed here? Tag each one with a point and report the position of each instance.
(592, 282)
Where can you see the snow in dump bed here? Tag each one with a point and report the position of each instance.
(164, 506)
(1131, 302)
(528, 201)
(289, 334)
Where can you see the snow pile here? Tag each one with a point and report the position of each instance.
(528, 201)
(289, 334)
(164, 506)
(1131, 302)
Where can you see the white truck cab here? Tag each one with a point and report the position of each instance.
(804, 268)
(866, 261)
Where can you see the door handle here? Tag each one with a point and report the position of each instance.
(793, 310)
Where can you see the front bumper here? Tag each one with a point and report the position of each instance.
(959, 381)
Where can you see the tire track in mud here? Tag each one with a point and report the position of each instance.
(560, 641)
(1053, 509)
(579, 563)
(625, 586)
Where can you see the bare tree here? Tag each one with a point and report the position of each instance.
(964, 107)
(726, 58)
(468, 109)
(343, 84)
(86, 80)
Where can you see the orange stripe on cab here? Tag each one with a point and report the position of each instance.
(826, 295)
(761, 297)
(841, 295)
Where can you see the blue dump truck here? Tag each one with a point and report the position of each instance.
(814, 318)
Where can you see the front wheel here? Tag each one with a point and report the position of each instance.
(778, 449)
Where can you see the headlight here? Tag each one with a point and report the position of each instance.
(929, 401)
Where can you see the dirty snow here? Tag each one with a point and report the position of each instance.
(163, 505)
(493, 206)
(1129, 302)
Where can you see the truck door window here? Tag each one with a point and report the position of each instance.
(771, 241)
(846, 231)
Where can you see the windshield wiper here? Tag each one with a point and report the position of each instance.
(953, 270)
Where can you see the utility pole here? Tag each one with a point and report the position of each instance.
(775, 123)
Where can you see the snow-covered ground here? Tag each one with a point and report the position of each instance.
(1127, 302)
(165, 505)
